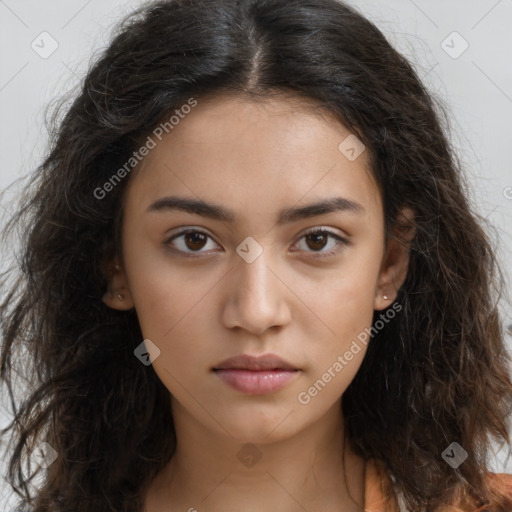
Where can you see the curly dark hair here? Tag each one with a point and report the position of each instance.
(443, 373)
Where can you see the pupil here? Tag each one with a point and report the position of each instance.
(194, 239)
(318, 238)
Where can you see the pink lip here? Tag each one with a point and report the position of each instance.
(256, 375)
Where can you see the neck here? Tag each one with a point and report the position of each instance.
(311, 470)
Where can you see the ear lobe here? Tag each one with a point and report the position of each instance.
(395, 262)
(118, 301)
(118, 294)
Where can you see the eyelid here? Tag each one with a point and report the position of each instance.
(323, 229)
(183, 231)
(342, 240)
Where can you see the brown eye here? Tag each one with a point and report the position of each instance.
(318, 240)
(189, 242)
(195, 240)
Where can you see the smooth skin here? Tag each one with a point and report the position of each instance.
(200, 302)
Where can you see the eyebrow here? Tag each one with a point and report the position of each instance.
(286, 215)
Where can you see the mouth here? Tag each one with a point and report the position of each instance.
(259, 363)
(256, 375)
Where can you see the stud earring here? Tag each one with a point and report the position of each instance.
(385, 297)
(120, 296)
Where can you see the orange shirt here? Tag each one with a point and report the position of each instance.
(375, 501)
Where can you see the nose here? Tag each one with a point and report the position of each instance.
(258, 297)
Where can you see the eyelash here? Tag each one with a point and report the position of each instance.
(314, 254)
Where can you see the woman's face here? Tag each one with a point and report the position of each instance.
(250, 278)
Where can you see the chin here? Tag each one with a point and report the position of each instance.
(258, 426)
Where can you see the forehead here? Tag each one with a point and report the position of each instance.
(247, 153)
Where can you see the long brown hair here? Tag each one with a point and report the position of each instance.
(437, 374)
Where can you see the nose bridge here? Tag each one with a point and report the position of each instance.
(257, 299)
(254, 279)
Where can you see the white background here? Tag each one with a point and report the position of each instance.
(477, 85)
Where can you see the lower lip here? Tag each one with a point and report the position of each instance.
(255, 382)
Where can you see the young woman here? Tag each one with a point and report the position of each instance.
(251, 280)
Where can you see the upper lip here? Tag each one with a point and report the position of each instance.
(247, 362)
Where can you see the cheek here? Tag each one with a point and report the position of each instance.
(162, 294)
(346, 307)
(346, 299)
(171, 307)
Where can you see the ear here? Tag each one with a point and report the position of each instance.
(118, 294)
(395, 262)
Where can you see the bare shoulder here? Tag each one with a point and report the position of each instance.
(501, 482)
